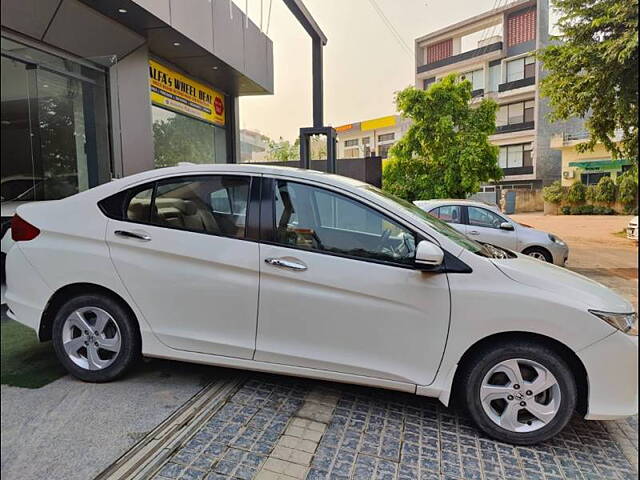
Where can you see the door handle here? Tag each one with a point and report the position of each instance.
(137, 235)
(474, 232)
(281, 262)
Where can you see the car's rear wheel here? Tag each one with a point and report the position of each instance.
(519, 392)
(95, 338)
(539, 253)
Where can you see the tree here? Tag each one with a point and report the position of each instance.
(628, 188)
(446, 151)
(577, 193)
(593, 71)
(283, 150)
(553, 193)
(606, 190)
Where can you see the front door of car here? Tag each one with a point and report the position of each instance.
(182, 253)
(338, 290)
(485, 226)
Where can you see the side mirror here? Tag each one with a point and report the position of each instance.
(428, 254)
(506, 226)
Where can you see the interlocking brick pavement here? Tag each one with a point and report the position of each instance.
(375, 434)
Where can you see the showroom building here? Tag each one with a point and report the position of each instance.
(99, 89)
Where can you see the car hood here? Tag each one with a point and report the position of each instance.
(551, 278)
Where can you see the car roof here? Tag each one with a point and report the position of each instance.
(436, 202)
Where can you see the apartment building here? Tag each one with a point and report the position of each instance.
(370, 137)
(495, 52)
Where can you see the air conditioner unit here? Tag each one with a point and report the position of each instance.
(568, 174)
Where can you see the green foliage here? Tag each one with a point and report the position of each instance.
(283, 150)
(588, 210)
(553, 193)
(630, 210)
(566, 210)
(606, 190)
(593, 70)
(577, 193)
(447, 143)
(628, 188)
(406, 178)
(591, 193)
(182, 139)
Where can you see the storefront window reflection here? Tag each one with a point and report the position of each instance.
(180, 138)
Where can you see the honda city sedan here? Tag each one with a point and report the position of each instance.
(315, 275)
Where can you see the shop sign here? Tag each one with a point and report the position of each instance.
(181, 94)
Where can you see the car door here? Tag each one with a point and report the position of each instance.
(182, 250)
(484, 226)
(452, 214)
(338, 290)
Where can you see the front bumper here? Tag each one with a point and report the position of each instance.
(560, 254)
(612, 370)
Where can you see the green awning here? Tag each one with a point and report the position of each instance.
(601, 164)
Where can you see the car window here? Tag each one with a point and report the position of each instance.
(215, 204)
(448, 213)
(481, 217)
(322, 220)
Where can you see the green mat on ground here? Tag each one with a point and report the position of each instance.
(25, 362)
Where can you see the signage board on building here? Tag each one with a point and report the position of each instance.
(181, 94)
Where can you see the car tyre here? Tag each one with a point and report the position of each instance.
(95, 338)
(478, 380)
(539, 253)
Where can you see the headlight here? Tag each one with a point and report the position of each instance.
(626, 322)
(555, 239)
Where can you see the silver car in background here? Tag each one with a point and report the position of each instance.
(486, 223)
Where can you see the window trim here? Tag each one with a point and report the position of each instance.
(251, 230)
(267, 222)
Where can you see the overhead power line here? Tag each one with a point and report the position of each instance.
(391, 28)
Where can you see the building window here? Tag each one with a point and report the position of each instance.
(476, 77)
(180, 138)
(515, 113)
(55, 135)
(593, 178)
(520, 68)
(521, 28)
(387, 137)
(383, 150)
(351, 143)
(494, 77)
(513, 156)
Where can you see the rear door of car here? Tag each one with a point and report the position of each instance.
(454, 215)
(186, 253)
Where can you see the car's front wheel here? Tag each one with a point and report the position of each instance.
(539, 253)
(519, 392)
(95, 338)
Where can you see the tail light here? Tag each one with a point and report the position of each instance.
(21, 230)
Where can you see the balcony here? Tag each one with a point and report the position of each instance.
(515, 127)
(523, 82)
(517, 171)
(494, 47)
(477, 93)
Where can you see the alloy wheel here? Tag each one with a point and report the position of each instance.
(538, 255)
(91, 338)
(520, 395)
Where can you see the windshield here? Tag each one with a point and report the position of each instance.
(438, 225)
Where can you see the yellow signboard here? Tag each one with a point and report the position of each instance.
(376, 123)
(176, 92)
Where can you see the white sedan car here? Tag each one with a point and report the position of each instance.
(303, 273)
(486, 223)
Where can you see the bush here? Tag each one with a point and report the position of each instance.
(553, 193)
(627, 189)
(566, 210)
(577, 193)
(630, 210)
(606, 190)
(598, 210)
(591, 193)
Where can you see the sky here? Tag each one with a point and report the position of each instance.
(364, 64)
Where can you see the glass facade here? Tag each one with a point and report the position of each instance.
(55, 129)
(180, 138)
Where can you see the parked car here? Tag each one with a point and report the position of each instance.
(304, 273)
(487, 224)
(632, 229)
(20, 189)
